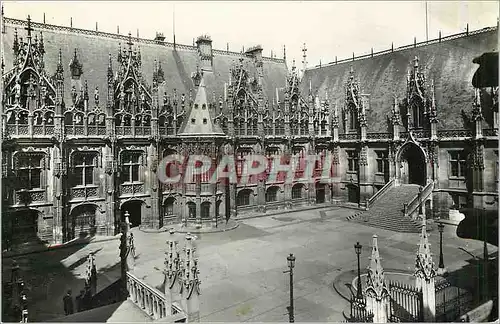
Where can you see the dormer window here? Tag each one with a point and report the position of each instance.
(75, 67)
(204, 121)
(195, 106)
(203, 106)
(193, 120)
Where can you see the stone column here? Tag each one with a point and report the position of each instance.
(376, 292)
(364, 195)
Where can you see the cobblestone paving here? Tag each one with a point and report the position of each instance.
(242, 270)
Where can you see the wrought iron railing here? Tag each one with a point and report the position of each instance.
(406, 304)
(359, 313)
(451, 301)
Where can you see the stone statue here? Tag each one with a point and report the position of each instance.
(17, 92)
(73, 94)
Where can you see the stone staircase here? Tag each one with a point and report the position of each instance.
(387, 211)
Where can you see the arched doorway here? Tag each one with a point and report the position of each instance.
(135, 210)
(21, 227)
(412, 165)
(82, 220)
(352, 193)
(320, 193)
(205, 210)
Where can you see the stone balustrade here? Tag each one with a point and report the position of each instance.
(149, 299)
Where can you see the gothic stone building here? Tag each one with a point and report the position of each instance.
(87, 116)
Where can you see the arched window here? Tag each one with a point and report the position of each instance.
(297, 191)
(280, 126)
(417, 113)
(243, 198)
(272, 194)
(353, 119)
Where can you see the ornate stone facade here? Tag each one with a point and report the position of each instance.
(79, 151)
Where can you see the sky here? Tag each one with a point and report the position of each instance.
(329, 29)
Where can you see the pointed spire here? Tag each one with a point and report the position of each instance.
(86, 91)
(376, 284)
(29, 28)
(41, 46)
(44, 18)
(424, 266)
(110, 69)
(284, 52)
(59, 70)
(129, 43)
(15, 45)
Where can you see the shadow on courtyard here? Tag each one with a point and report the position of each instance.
(48, 275)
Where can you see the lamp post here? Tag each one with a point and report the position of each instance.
(359, 294)
(441, 269)
(291, 265)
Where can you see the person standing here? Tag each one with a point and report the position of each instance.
(68, 303)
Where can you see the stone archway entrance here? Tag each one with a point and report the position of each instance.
(320, 193)
(135, 210)
(83, 221)
(412, 167)
(352, 193)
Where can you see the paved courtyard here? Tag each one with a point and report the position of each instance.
(242, 270)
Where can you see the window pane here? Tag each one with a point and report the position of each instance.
(89, 175)
(79, 176)
(78, 159)
(380, 166)
(126, 174)
(89, 159)
(135, 173)
(23, 178)
(454, 169)
(463, 169)
(35, 178)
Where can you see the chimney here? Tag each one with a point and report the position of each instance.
(159, 37)
(204, 45)
(255, 52)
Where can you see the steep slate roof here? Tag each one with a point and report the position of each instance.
(93, 49)
(449, 63)
(199, 121)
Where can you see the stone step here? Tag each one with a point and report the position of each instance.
(387, 211)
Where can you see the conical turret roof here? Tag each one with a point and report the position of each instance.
(199, 121)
